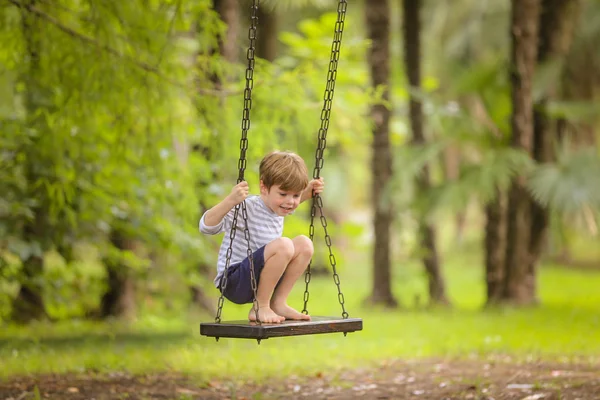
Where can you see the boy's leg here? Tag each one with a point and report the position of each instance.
(278, 255)
(303, 251)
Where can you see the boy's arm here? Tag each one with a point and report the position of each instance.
(215, 215)
(316, 185)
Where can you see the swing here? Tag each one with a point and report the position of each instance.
(317, 325)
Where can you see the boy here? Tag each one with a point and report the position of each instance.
(278, 261)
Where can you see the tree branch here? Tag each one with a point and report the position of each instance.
(90, 40)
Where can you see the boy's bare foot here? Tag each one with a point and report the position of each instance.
(289, 313)
(266, 315)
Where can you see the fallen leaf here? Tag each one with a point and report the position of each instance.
(537, 396)
(520, 386)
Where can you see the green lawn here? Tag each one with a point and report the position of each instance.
(564, 327)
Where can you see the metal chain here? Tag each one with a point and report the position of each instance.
(242, 168)
(325, 116)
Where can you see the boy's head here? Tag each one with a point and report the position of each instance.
(285, 169)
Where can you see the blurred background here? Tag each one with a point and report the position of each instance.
(461, 165)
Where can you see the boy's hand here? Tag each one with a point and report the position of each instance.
(315, 186)
(215, 215)
(239, 193)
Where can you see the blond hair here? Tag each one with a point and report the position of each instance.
(285, 169)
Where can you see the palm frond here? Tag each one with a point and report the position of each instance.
(409, 161)
(575, 111)
(481, 180)
(571, 185)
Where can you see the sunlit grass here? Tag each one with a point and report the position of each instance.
(563, 327)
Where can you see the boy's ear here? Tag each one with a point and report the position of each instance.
(263, 188)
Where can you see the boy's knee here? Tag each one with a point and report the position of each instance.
(283, 246)
(302, 244)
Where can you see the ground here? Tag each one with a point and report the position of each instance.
(419, 379)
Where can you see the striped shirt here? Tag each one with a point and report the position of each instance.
(263, 224)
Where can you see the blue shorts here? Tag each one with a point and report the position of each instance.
(239, 280)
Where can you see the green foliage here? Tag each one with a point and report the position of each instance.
(468, 115)
(481, 181)
(286, 103)
(571, 186)
(73, 289)
(408, 164)
(99, 140)
(465, 32)
(87, 141)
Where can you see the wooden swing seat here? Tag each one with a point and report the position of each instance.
(252, 330)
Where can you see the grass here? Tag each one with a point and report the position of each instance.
(562, 328)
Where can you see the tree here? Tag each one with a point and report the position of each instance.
(557, 22)
(518, 287)
(576, 111)
(267, 38)
(229, 12)
(119, 298)
(378, 27)
(412, 62)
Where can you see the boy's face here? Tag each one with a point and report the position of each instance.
(281, 202)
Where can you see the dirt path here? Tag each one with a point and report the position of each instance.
(397, 380)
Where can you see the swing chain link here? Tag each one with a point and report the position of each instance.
(242, 167)
(317, 202)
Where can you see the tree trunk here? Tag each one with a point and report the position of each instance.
(524, 26)
(378, 27)
(119, 298)
(581, 79)
(29, 303)
(557, 21)
(204, 301)
(29, 306)
(495, 247)
(412, 60)
(266, 42)
(229, 10)
(198, 295)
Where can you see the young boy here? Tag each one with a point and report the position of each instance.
(278, 261)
